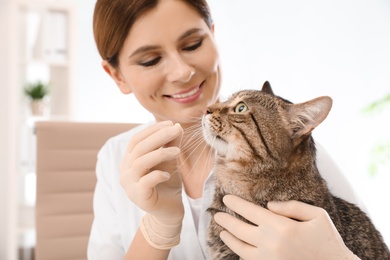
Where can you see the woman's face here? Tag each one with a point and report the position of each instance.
(170, 62)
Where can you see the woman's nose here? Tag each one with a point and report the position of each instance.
(180, 71)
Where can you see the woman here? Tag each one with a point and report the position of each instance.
(165, 54)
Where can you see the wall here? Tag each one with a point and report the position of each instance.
(98, 98)
(8, 141)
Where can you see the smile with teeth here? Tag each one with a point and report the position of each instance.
(188, 94)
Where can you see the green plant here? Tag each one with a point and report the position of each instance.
(36, 90)
(378, 105)
(380, 153)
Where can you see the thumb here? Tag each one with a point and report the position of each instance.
(179, 135)
(295, 209)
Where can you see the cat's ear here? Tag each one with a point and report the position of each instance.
(267, 88)
(304, 117)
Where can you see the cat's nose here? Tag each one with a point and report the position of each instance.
(209, 110)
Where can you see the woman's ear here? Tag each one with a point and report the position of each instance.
(117, 76)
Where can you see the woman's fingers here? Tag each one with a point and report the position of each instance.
(252, 212)
(146, 163)
(291, 209)
(296, 210)
(145, 151)
(142, 135)
(152, 138)
(278, 235)
(238, 228)
(237, 246)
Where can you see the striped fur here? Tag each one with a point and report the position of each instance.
(265, 152)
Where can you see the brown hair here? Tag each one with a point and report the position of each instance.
(113, 19)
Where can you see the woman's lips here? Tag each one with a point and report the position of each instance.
(187, 96)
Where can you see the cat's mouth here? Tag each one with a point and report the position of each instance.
(219, 138)
(220, 145)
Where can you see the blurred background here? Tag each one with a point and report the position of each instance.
(304, 48)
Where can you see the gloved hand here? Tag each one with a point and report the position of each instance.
(277, 235)
(151, 180)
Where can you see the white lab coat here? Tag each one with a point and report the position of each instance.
(117, 219)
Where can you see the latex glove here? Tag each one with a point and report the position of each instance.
(150, 178)
(277, 236)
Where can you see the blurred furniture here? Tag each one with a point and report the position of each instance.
(66, 159)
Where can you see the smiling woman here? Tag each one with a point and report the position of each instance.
(170, 68)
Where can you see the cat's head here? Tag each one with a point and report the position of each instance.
(254, 124)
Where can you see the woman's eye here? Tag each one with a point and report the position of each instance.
(241, 107)
(194, 46)
(151, 62)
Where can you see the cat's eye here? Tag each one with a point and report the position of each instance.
(241, 108)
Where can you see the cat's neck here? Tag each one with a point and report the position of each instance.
(302, 160)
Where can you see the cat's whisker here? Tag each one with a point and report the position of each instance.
(209, 157)
(193, 120)
(194, 145)
(192, 139)
(191, 134)
(190, 142)
(196, 162)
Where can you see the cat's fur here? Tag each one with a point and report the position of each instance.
(265, 152)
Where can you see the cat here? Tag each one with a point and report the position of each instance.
(265, 152)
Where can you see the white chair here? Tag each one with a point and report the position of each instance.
(66, 160)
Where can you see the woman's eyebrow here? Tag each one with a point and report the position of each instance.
(147, 48)
(190, 32)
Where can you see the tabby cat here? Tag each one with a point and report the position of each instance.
(264, 143)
